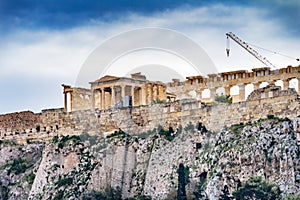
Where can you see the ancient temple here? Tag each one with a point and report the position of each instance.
(114, 92)
(117, 92)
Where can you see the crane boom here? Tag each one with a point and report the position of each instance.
(249, 49)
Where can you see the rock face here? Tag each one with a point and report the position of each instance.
(147, 164)
(18, 165)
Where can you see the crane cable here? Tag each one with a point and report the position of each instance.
(227, 46)
(274, 52)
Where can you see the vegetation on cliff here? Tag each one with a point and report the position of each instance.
(18, 164)
(258, 159)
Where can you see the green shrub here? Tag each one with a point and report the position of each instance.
(198, 145)
(118, 134)
(4, 191)
(181, 192)
(64, 181)
(19, 166)
(59, 195)
(257, 188)
(29, 178)
(91, 138)
(236, 127)
(292, 197)
(167, 134)
(64, 140)
(55, 139)
(199, 190)
(271, 116)
(201, 127)
(190, 128)
(223, 99)
(38, 128)
(108, 194)
(8, 142)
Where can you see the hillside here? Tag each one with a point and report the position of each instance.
(191, 161)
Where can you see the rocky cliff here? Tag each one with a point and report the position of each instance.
(156, 163)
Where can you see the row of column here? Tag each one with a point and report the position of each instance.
(144, 95)
(242, 93)
(155, 92)
(118, 95)
(68, 97)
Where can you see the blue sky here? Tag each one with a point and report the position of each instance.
(44, 43)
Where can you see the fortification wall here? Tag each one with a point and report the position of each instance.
(243, 112)
(263, 102)
(19, 122)
(135, 120)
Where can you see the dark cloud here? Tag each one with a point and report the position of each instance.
(288, 13)
(60, 14)
(63, 14)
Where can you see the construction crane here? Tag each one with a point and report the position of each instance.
(253, 52)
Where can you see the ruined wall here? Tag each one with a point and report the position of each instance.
(195, 85)
(51, 119)
(81, 99)
(142, 119)
(135, 120)
(243, 112)
(18, 123)
(261, 103)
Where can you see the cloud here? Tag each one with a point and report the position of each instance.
(56, 55)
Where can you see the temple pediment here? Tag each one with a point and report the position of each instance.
(106, 78)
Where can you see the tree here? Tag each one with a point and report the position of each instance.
(225, 194)
(199, 191)
(108, 194)
(182, 181)
(256, 188)
(223, 99)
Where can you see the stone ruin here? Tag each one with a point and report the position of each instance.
(136, 104)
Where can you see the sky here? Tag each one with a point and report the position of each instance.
(44, 44)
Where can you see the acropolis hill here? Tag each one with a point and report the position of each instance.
(131, 138)
(136, 104)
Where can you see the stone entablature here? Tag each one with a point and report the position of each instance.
(239, 78)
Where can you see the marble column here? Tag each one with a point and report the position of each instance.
(241, 92)
(256, 85)
(113, 97)
(227, 90)
(123, 93)
(103, 99)
(298, 79)
(93, 99)
(212, 94)
(150, 95)
(144, 95)
(132, 95)
(286, 84)
(65, 98)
